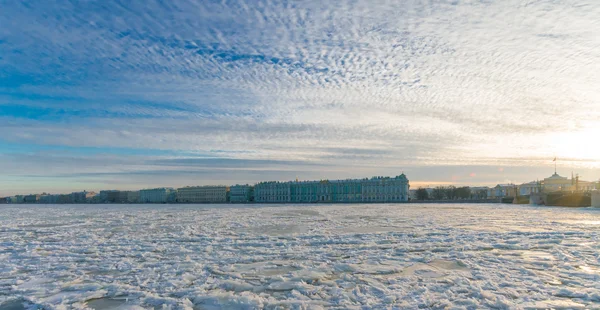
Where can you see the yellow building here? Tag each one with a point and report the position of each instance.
(596, 199)
(559, 183)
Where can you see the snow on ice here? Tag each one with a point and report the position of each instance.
(301, 257)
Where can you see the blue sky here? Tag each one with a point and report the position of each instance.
(132, 94)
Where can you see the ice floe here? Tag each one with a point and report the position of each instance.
(301, 257)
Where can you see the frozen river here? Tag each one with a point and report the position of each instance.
(311, 256)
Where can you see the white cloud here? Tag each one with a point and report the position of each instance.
(443, 83)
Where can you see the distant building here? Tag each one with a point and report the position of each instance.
(158, 195)
(113, 196)
(383, 189)
(82, 197)
(56, 198)
(241, 193)
(479, 192)
(376, 189)
(272, 192)
(133, 196)
(556, 183)
(123, 197)
(31, 198)
(64, 199)
(47, 199)
(596, 199)
(530, 188)
(17, 199)
(502, 190)
(585, 186)
(107, 196)
(202, 194)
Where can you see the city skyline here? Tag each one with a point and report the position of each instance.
(376, 189)
(207, 183)
(103, 95)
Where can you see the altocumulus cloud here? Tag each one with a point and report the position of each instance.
(310, 87)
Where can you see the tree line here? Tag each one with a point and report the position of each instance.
(450, 193)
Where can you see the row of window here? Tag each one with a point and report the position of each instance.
(328, 198)
(202, 195)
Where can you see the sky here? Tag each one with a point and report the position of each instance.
(135, 94)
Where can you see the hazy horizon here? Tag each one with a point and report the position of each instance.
(456, 179)
(111, 95)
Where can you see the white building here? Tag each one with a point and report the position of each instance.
(530, 188)
(157, 195)
(241, 193)
(202, 194)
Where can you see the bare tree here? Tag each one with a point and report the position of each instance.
(439, 193)
(422, 194)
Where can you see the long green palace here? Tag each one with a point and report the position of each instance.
(375, 189)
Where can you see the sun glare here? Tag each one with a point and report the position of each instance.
(580, 146)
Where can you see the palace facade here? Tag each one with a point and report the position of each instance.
(375, 189)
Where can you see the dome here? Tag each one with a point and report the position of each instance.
(555, 176)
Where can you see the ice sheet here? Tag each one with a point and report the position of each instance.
(303, 256)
